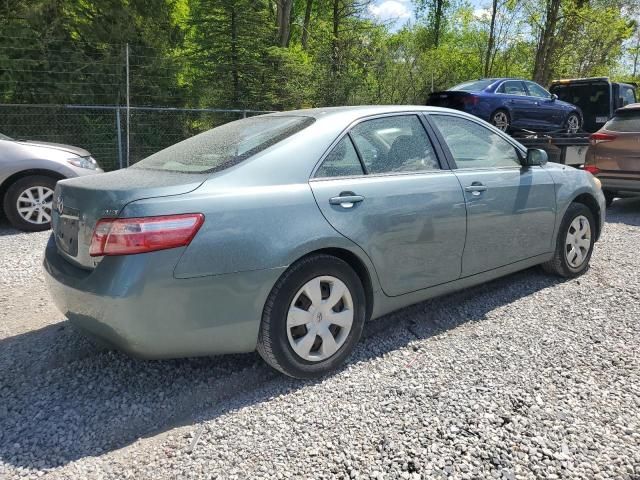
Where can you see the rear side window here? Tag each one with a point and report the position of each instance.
(342, 161)
(225, 146)
(624, 122)
(394, 144)
(512, 87)
(627, 95)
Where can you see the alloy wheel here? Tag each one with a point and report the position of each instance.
(320, 318)
(34, 205)
(501, 121)
(578, 241)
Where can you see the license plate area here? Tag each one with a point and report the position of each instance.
(67, 235)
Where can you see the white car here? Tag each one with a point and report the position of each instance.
(29, 171)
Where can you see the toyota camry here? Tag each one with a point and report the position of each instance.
(285, 233)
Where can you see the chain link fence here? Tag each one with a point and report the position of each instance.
(102, 129)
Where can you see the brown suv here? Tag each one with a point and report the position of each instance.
(614, 154)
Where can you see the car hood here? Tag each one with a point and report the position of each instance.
(56, 146)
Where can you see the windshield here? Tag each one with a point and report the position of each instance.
(474, 85)
(225, 146)
(4, 137)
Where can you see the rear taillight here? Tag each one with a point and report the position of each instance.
(126, 236)
(592, 169)
(471, 100)
(599, 137)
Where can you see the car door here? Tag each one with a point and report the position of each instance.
(545, 111)
(516, 100)
(383, 187)
(511, 211)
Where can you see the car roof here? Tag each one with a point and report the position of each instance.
(355, 112)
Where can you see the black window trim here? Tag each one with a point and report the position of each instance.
(429, 132)
(520, 150)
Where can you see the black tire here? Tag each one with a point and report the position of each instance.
(609, 197)
(573, 116)
(559, 264)
(273, 342)
(496, 122)
(11, 199)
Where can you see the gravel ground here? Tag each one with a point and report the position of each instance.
(525, 377)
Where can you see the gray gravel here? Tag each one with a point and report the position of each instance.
(525, 377)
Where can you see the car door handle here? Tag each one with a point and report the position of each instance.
(476, 188)
(346, 199)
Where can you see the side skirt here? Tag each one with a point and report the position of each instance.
(384, 304)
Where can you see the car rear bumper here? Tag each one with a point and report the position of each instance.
(135, 304)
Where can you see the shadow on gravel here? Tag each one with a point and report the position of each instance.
(62, 398)
(625, 210)
(6, 229)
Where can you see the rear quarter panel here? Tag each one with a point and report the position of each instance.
(248, 229)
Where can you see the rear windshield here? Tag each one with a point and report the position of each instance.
(225, 146)
(473, 86)
(625, 122)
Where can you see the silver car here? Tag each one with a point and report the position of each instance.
(286, 232)
(29, 171)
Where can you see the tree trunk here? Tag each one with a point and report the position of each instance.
(547, 42)
(283, 19)
(490, 45)
(234, 57)
(437, 22)
(334, 39)
(306, 24)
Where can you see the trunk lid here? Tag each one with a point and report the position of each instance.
(449, 99)
(79, 203)
(620, 156)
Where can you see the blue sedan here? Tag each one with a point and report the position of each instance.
(511, 104)
(285, 233)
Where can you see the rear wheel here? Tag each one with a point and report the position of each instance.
(501, 120)
(313, 317)
(28, 203)
(573, 123)
(574, 244)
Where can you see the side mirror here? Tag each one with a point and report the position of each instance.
(554, 97)
(535, 157)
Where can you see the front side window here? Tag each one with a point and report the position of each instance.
(342, 161)
(475, 146)
(394, 144)
(536, 90)
(512, 87)
(225, 146)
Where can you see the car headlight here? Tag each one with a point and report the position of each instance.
(84, 162)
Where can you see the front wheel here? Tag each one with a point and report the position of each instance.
(313, 317)
(573, 123)
(500, 119)
(28, 203)
(574, 245)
